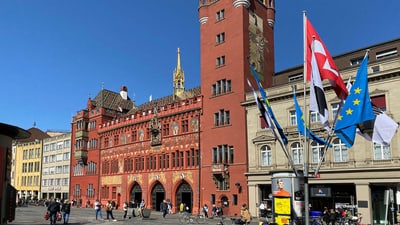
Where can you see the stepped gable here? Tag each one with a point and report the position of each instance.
(112, 100)
(36, 134)
(165, 100)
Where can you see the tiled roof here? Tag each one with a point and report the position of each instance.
(36, 134)
(165, 100)
(112, 100)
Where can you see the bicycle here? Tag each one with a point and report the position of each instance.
(201, 218)
(222, 221)
(186, 218)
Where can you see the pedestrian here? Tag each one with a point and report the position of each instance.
(214, 211)
(97, 209)
(109, 211)
(205, 210)
(325, 216)
(263, 210)
(53, 209)
(66, 209)
(164, 208)
(332, 217)
(142, 205)
(125, 207)
(181, 207)
(170, 208)
(245, 214)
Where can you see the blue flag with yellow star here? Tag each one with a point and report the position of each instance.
(356, 109)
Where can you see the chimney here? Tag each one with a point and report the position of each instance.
(124, 92)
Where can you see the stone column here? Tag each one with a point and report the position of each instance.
(364, 203)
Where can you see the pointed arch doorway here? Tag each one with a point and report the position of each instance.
(136, 195)
(184, 194)
(157, 196)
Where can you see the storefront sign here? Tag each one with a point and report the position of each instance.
(321, 192)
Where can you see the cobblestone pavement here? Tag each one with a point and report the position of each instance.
(81, 216)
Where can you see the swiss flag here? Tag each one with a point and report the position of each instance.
(326, 65)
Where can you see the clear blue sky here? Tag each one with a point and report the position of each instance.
(55, 54)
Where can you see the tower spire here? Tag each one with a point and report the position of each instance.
(179, 78)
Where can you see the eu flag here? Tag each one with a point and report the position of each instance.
(357, 108)
(300, 124)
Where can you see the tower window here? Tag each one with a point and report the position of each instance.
(220, 15)
(220, 61)
(222, 118)
(220, 38)
(221, 87)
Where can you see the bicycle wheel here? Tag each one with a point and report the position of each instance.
(182, 219)
(189, 219)
(200, 219)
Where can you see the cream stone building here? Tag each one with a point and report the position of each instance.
(364, 178)
(56, 166)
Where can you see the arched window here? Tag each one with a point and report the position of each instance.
(297, 153)
(340, 153)
(266, 156)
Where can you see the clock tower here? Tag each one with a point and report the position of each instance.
(233, 33)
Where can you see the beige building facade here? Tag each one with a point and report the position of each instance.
(361, 178)
(56, 166)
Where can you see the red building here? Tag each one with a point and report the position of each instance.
(232, 34)
(191, 146)
(124, 152)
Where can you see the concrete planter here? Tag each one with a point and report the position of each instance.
(146, 213)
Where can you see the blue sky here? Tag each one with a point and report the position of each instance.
(55, 54)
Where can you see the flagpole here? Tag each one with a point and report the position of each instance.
(305, 145)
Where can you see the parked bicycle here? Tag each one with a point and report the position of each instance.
(186, 218)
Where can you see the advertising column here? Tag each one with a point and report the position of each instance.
(8, 192)
(287, 197)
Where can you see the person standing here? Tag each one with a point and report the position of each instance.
(263, 210)
(53, 209)
(109, 211)
(66, 209)
(205, 210)
(125, 207)
(164, 208)
(141, 208)
(245, 214)
(97, 209)
(181, 207)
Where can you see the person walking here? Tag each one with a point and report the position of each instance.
(53, 209)
(97, 209)
(125, 208)
(66, 209)
(164, 208)
(109, 211)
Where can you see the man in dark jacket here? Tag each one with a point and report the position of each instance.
(53, 209)
(164, 208)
